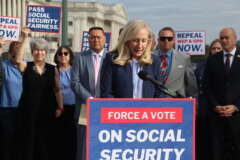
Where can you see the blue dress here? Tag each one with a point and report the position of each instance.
(12, 85)
(10, 92)
(66, 124)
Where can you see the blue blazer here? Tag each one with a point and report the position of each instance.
(117, 81)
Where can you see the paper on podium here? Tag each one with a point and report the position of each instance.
(83, 115)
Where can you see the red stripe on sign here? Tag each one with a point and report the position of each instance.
(141, 115)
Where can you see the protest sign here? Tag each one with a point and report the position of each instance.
(85, 44)
(43, 18)
(141, 129)
(9, 28)
(190, 42)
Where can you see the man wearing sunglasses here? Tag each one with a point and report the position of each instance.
(176, 69)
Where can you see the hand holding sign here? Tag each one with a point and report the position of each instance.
(2, 42)
(25, 32)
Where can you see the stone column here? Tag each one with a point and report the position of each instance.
(99, 22)
(14, 8)
(9, 8)
(115, 33)
(83, 27)
(23, 18)
(19, 8)
(76, 34)
(4, 6)
(1, 7)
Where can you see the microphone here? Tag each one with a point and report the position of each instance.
(145, 76)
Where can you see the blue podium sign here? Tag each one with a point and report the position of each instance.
(141, 129)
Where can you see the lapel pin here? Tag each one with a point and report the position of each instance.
(180, 66)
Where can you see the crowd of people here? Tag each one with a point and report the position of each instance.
(40, 104)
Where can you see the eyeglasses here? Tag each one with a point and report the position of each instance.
(164, 38)
(63, 53)
(224, 37)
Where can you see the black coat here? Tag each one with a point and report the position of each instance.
(222, 88)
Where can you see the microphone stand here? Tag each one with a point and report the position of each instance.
(169, 92)
(145, 76)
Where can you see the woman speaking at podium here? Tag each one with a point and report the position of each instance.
(119, 74)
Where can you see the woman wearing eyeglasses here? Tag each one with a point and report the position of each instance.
(66, 123)
(40, 103)
(215, 47)
(119, 75)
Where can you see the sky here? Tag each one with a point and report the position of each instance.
(183, 15)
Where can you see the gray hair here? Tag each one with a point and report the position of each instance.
(39, 43)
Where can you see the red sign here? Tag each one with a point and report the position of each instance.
(141, 115)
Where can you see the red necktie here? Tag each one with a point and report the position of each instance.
(163, 67)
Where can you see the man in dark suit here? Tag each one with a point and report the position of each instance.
(85, 80)
(221, 86)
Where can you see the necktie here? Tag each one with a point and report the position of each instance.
(227, 63)
(163, 67)
(96, 67)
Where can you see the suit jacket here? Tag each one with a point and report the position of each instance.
(117, 81)
(1, 74)
(181, 77)
(222, 88)
(83, 81)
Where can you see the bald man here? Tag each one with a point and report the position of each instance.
(222, 88)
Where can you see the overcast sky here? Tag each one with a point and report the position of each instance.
(209, 15)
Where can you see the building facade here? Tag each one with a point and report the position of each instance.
(84, 15)
(81, 16)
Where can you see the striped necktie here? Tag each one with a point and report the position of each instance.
(163, 67)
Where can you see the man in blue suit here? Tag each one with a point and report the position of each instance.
(85, 79)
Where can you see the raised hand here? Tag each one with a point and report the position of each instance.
(26, 31)
(2, 42)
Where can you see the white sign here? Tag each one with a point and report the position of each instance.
(190, 42)
(9, 28)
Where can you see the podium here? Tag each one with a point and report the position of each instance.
(141, 129)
